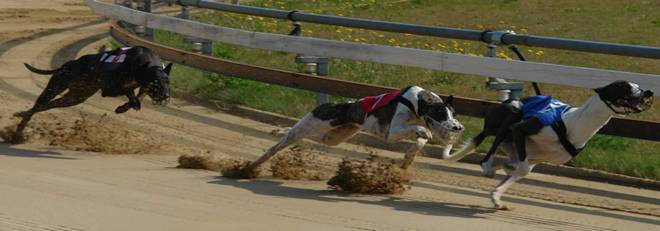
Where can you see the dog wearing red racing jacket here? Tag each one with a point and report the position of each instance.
(391, 116)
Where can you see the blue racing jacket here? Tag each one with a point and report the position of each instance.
(547, 109)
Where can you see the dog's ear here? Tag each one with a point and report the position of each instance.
(168, 68)
(450, 100)
(598, 90)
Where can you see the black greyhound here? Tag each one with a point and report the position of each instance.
(529, 135)
(115, 73)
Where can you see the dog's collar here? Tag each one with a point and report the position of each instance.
(404, 101)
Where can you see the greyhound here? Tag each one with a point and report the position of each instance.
(542, 129)
(115, 73)
(391, 116)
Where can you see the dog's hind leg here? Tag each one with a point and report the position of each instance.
(51, 91)
(304, 128)
(496, 194)
(73, 97)
(45, 102)
(339, 134)
(503, 134)
(487, 162)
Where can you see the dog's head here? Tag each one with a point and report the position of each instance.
(156, 81)
(624, 97)
(439, 116)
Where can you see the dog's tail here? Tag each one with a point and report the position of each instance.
(467, 148)
(39, 71)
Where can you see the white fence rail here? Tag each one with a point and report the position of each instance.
(434, 60)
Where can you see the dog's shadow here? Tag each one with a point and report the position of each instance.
(431, 208)
(8, 150)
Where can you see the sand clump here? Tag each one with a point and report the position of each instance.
(297, 163)
(370, 176)
(207, 162)
(8, 135)
(227, 167)
(238, 169)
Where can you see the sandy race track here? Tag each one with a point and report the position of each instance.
(74, 172)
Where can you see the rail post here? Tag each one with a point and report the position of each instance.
(148, 32)
(198, 45)
(312, 64)
(505, 90)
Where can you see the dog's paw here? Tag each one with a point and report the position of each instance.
(422, 132)
(137, 106)
(16, 138)
(517, 169)
(20, 114)
(487, 170)
(122, 108)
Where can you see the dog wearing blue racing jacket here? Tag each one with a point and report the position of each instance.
(542, 129)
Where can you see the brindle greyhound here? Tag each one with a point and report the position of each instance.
(115, 73)
(529, 137)
(391, 116)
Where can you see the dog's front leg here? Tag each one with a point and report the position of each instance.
(133, 102)
(399, 132)
(412, 152)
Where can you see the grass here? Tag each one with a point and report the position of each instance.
(633, 22)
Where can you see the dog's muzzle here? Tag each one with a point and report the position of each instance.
(642, 102)
(450, 131)
(646, 101)
(158, 93)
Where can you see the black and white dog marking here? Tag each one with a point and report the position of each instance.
(392, 117)
(528, 142)
(115, 73)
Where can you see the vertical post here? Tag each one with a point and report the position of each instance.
(196, 47)
(503, 94)
(322, 69)
(207, 47)
(185, 12)
(133, 5)
(313, 65)
(149, 32)
(204, 46)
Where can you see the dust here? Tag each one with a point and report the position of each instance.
(231, 168)
(105, 135)
(370, 176)
(297, 163)
(87, 133)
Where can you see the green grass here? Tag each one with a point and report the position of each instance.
(634, 22)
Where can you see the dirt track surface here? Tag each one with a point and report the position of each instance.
(51, 183)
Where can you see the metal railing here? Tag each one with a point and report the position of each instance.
(497, 37)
